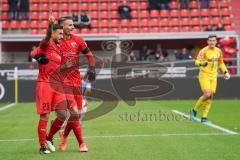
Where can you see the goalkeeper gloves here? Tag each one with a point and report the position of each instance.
(41, 58)
(91, 74)
(226, 75)
(203, 63)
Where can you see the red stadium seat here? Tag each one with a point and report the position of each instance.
(134, 14)
(135, 30)
(84, 6)
(4, 15)
(114, 30)
(226, 21)
(195, 21)
(74, 7)
(5, 7)
(145, 30)
(228, 28)
(95, 31)
(34, 15)
(55, 6)
(206, 21)
(65, 13)
(213, 4)
(5, 24)
(215, 12)
(94, 6)
(143, 5)
(114, 6)
(224, 4)
(114, 23)
(114, 14)
(174, 13)
(34, 31)
(144, 22)
(154, 13)
(94, 23)
(44, 15)
(95, 15)
(175, 29)
(205, 12)
(134, 23)
(104, 6)
(144, 14)
(164, 13)
(14, 24)
(45, 7)
(134, 5)
(64, 6)
(55, 14)
(84, 31)
(124, 30)
(185, 22)
(45, 1)
(25, 24)
(225, 12)
(216, 20)
(184, 13)
(44, 24)
(174, 5)
(155, 29)
(155, 22)
(165, 22)
(175, 22)
(34, 24)
(186, 29)
(125, 23)
(193, 4)
(35, 7)
(165, 29)
(104, 30)
(195, 13)
(196, 29)
(104, 23)
(104, 14)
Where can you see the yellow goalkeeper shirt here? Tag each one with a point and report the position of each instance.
(214, 58)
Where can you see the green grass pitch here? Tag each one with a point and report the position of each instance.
(130, 133)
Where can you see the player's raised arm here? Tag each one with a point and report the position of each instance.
(223, 67)
(40, 57)
(200, 61)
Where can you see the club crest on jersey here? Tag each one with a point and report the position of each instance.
(74, 44)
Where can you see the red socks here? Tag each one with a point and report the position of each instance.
(67, 129)
(42, 131)
(77, 131)
(56, 125)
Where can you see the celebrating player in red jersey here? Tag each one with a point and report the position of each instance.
(71, 46)
(48, 99)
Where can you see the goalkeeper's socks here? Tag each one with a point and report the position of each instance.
(42, 127)
(77, 131)
(67, 129)
(194, 113)
(56, 125)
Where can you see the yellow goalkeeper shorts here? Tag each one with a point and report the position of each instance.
(208, 84)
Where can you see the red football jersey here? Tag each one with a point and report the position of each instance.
(52, 52)
(70, 49)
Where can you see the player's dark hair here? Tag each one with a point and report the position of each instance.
(212, 36)
(62, 19)
(51, 27)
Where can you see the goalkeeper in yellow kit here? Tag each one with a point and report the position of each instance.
(208, 59)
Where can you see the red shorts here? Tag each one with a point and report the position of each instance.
(73, 95)
(48, 99)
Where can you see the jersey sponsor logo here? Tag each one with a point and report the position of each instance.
(74, 44)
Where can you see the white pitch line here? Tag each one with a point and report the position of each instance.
(126, 136)
(7, 106)
(208, 124)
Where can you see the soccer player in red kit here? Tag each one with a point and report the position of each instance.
(71, 46)
(47, 99)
